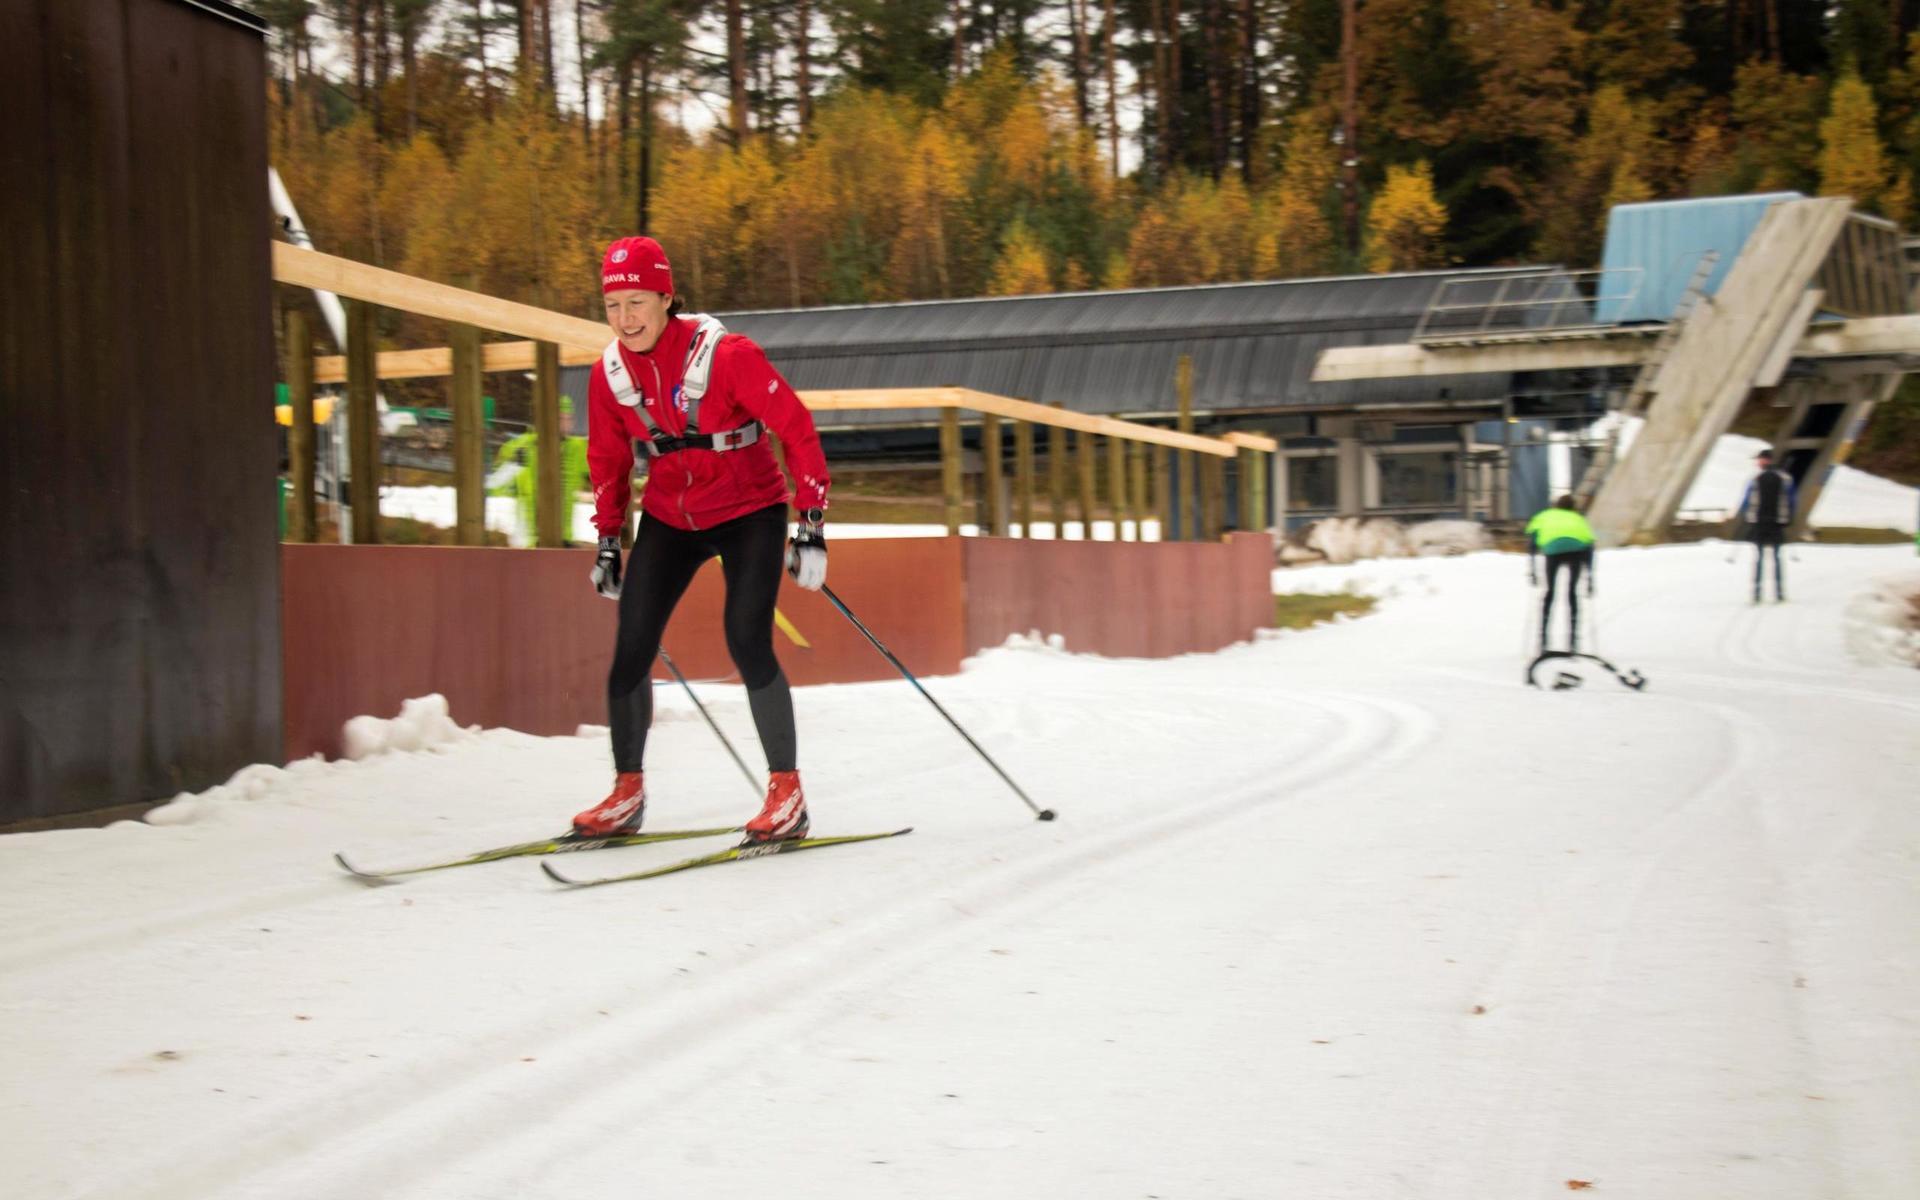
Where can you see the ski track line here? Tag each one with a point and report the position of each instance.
(60, 950)
(1532, 1061)
(579, 1065)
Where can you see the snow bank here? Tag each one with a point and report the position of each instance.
(423, 724)
(1883, 622)
(1349, 539)
(248, 785)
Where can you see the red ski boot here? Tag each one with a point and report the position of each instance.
(621, 812)
(784, 816)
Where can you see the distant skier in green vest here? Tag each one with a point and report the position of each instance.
(1565, 538)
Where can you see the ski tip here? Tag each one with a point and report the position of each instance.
(356, 872)
(557, 877)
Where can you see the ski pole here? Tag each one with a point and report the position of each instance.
(1044, 814)
(711, 723)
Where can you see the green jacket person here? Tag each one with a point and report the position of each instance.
(1564, 537)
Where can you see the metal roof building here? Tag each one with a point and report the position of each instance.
(1253, 347)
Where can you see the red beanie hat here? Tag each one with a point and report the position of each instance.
(636, 262)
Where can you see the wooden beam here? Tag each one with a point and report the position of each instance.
(885, 399)
(1244, 473)
(1023, 474)
(1251, 441)
(950, 481)
(1163, 492)
(469, 439)
(1137, 498)
(363, 426)
(1213, 508)
(994, 522)
(302, 522)
(552, 507)
(429, 364)
(1086, 456)
(1262, 474)
(391, 289)
(1057, 479)
(1117, 486)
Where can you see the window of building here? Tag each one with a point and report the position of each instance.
(1313, 482)
(1419, 480)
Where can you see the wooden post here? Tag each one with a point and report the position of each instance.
(950, 481)
(1085, 442)
(1117, 485)
(1183, 389)
(1137, 476)
(1214, 509)
(1163, 493)
(1247, 464)
(469, 439)
(1057, 479)
(552, 507)
(994, 518)
(1023, 474)
(301, 519)
(1262, 476)
(363, 425)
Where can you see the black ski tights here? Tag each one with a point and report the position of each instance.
(1575, 563)
(1760, 548)
(663, 562)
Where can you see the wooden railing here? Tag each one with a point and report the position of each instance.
(1140, 466)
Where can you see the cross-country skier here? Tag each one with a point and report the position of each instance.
(1766, 509)
(705, 400)
(1564, 537)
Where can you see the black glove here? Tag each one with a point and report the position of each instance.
(807, 552)
(606, 568)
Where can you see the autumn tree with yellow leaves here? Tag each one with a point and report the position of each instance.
(1405, 224)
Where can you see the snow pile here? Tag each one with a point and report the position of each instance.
(1883, 622)
(423, 724)
(249, 785)
(1349, 539)
(1035, 642)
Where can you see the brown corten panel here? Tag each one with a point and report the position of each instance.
(1120, 599)
(139, 606)
(517, 638)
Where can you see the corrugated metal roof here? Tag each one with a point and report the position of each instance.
(1253, 345)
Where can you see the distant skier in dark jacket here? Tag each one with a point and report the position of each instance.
(1766, 509)
(1564, 537)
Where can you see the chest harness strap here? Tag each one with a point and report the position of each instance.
(693, 388)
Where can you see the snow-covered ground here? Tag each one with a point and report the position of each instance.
(1347, 912)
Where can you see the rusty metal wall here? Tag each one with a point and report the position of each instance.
(517, 638)
(139, 569)
(1120, 599)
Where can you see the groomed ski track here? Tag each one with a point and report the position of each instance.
(1347, 913)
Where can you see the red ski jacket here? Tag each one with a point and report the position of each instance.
(695, 488)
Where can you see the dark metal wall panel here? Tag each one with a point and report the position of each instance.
(139, 628)
(1253, 345)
